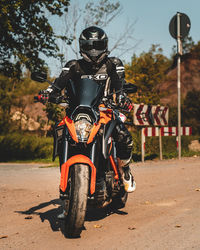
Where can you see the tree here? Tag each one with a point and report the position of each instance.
(191, 111)
(15, 93)
(6, 97)
(187, 45)
(147, 71)
(26, 33)
(98, 13)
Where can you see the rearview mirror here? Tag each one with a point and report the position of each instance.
(130, 88)
(39, 76)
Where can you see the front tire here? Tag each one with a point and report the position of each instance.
(78, 194)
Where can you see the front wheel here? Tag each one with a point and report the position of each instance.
(78, 194)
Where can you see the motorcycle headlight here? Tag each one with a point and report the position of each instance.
(83, 128)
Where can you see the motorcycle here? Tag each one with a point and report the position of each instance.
(90, 175)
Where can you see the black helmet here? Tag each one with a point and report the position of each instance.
(93, 43)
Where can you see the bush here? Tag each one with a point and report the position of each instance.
(169, 148)
(24, 147)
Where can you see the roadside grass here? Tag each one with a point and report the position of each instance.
(47, 161)
(18, 148)
(166, 156)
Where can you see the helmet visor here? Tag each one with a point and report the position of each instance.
(87, 45)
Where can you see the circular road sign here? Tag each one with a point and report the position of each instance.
(184, 26)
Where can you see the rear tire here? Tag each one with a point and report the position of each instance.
(78, 195)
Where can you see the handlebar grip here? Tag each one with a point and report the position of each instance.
(40, 98)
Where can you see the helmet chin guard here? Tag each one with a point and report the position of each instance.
(97, 59)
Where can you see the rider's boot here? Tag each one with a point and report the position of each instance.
(128, 180)
(127, 177)
(63, 214)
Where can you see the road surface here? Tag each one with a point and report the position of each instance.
(163, 213)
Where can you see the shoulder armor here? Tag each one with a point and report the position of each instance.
(68, 66)
(119, 67)
(116, 61)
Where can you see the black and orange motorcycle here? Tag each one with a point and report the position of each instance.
(83, 141)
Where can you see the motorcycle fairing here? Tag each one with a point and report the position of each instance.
(69, 163)
(94, 131)
(108, 129)
(71, 128)
(105, 117)
(85, 92)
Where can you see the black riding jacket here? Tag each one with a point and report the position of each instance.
(110, 67)
(78, 69)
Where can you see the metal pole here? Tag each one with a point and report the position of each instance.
(160, 143)
(179, 47)
(142, 143)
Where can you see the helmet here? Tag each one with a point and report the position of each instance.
(93, 44)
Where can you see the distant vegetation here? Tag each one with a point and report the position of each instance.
(147, 71)
(25, 34)
(17, 146)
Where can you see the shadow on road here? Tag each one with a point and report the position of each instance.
(95, 214)
(92, 214)
(50, 215)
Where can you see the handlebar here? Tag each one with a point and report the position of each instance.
(58, 100)
(62, 100)
(39, 98)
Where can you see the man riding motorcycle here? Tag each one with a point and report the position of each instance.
(96, 65)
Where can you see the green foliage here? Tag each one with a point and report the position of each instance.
(196, 50)
(26, 33)
(12, 93)
(187, 46)
(24, 147)
(173, 116)
(169, 148)
(191, 111)
(147, 71)
(6, 100)
(54, 112)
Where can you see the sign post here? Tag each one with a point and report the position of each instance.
(143, 143)
(160, 144)
(179, 46)
(179, 28)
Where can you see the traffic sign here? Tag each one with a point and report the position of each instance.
(184, 26)
(160, 115)
(148, 115)
(142, 115)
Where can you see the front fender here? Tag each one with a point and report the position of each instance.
(72, 161)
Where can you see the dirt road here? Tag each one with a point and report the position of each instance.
(163, 213)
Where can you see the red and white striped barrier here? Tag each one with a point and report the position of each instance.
(162, 131)
(167, 131)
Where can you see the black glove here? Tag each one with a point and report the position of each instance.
(42, 97)
(55, 97)
(124, 102)
(108, 102)
(50, 94)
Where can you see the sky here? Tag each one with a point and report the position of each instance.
(152, 18)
